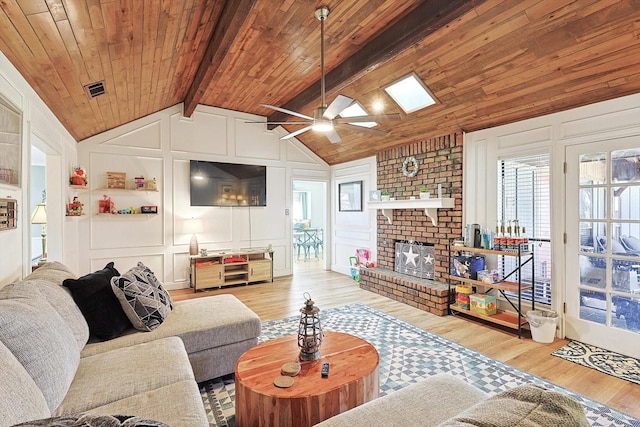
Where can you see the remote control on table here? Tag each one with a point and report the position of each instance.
(325, 369)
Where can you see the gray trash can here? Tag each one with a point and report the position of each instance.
(543, 325)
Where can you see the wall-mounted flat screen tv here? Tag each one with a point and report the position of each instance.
(227, 184)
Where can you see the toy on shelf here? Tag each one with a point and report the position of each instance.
(106, 205)
(78, 177)
(75, 207)
(139, 182)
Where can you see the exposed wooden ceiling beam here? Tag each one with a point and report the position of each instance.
(424, 20)
(233, 16)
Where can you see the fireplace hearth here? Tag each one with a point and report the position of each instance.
(415, 259)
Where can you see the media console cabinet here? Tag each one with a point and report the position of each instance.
(225, 268)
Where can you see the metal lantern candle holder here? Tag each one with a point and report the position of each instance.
(309, 331)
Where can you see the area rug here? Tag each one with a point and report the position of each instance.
(409, 354)
(612, 363)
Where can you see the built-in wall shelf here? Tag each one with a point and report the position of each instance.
(430, 207)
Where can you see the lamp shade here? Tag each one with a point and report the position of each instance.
(192, 226)
(40, 214)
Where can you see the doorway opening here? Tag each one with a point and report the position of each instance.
(309, 225)
(38, 192)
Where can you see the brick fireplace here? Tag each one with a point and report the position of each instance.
(440, 162)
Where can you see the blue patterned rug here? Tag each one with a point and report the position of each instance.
(611, 363)
(407, 355)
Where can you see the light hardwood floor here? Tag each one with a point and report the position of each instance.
(284, 297)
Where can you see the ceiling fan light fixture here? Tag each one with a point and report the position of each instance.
(322, 126)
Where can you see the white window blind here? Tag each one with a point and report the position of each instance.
(524, 194)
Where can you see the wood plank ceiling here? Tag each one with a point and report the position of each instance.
(487, 62)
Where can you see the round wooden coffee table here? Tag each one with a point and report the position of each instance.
(353, 380)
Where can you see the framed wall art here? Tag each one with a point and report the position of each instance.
(10, 143)
(350, 196)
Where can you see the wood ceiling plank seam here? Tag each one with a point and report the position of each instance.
(385, 46)
(155, 49)
(626, 79)
(231, 22)
(83, 26)
(164, 49)
(192, 36)
(17, 49)
(57, 10)
(545, 67)
(170, 40)
(120, 67)
(150, 25)
(493, 35)
(21, 24)
(545, 10)
(56, 61)
(95, 13)
(136, 60)
(31, 7)
(73, 50)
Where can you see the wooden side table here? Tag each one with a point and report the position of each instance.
(353, 380)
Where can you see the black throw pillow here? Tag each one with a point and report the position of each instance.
(99, 305)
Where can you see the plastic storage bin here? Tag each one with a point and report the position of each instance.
(543, 325)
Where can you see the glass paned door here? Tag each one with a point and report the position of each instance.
(603, 241)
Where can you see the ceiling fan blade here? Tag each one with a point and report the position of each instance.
(296, 133)
(378, 118)
(282, 123)
(333, 136)
(284, 110)
(361, 129)
(340, 103)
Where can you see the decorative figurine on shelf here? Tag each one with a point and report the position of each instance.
(78, 177)
(151, 185)
(139, 182)
(105, 205)
(75, 207)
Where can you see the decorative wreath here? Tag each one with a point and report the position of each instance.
(414, 168)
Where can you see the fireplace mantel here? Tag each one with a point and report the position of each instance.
(430, 207)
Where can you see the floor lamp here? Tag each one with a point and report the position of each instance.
(40, 217)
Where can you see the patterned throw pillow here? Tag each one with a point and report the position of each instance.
(145, 302)
(94, 421)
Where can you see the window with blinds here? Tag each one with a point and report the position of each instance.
(524, 195)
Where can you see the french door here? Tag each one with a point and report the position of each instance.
(603, 244)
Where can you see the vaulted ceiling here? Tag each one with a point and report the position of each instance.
(487, 62)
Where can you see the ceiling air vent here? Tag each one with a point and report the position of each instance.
(95, 89)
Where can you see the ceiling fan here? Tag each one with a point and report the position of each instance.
(324, 117)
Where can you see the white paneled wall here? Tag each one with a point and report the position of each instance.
(40, 127)
(160, 146)
(552, 134)
(353, 230)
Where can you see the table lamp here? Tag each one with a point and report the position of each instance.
(193, 226)
(40, 217)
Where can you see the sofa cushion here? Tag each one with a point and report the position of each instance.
(202, 323)
(525, 406)
(178, 404)
(85, 420)
(425, 403)
(100, 307)
(125, 372)
(43, 344)
(143, 299)
(27, 401)
(46, 283)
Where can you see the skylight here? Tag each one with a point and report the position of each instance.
(355, 110)
(410, 93)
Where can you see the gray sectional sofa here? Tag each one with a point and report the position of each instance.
(446, 401)
(50, 369)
